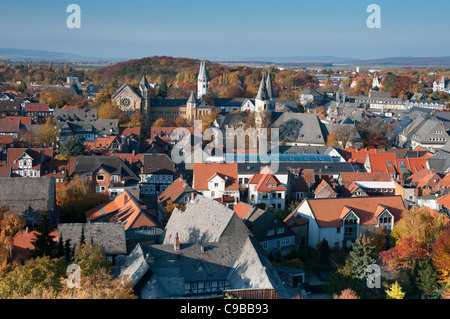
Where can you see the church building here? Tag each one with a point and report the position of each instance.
(192, 108)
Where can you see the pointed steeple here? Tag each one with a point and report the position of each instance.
(202, 72)
(202, 81)
(262, 91)
(144, 81)
(192, 98)
(269, 86)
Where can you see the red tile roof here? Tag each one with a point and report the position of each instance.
(126, 209)
(9, 125)
(22, 242)
(174, 190)
(264, 179)
(203, 172)
(328, 211)
(241, 209)
(23, 119)
(35, 153)
(37, 107)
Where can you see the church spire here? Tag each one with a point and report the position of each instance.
(269, 86)
(262, 91)
(144, 82)
(202, 72)
(202, 81)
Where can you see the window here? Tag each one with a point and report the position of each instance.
(280, 230)
(100, 189)
(114, 178)
(270, 232)
(216, 184)
(100, 177)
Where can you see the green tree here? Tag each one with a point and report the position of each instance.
(425, 277)
(35, 277)
(90, 257)
(44, 243)
(22, 86)
(72, 146)
(361, 256)
(161, 91)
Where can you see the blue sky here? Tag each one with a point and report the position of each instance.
(232, 28)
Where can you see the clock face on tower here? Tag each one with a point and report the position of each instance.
(125, 102)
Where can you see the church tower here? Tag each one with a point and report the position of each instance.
(262, 103)
(269, 86)
(191, 107)
(144, 89)
(202, 81)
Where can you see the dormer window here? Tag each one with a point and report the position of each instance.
(350, 226)
(385, 221)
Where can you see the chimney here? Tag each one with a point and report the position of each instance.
(132, 152)
(176, 245)
(192, 196)
(202, 248)
(26, 230)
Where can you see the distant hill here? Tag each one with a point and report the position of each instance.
(289, 59)
(163, 67)
(30, 55)
(326, 59)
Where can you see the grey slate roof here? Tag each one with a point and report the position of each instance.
(203, 220)
(157, 164)
(231, 102)
(298, 128)
(79, 121)
(229, 253)
(259, 221)
(112, 164)
(192, 98)
(440, 161)
(29, 196)
(110, 236)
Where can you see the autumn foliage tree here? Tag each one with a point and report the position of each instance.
(441, 256)
(346, 294)
(403, 255)
(424, 225)
(10, 224)
(74, 198)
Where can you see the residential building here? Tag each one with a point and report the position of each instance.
(156, 174)
(341, 220)
(28, 162)
(39, 112)
(265, 189)
(10, 126)
(270, 231)
(141, 224)
(108, 175)
(206, 251)
(214, 180)
(179, 192)
(83, 123)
